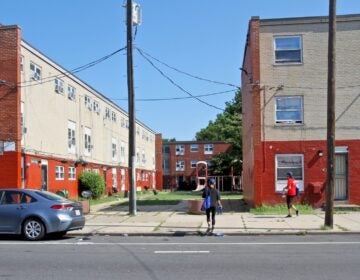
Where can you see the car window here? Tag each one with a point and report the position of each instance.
(25, 198)
(11, 197)
(1, 196)
(50, 196)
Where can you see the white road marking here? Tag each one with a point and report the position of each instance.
(181, 252)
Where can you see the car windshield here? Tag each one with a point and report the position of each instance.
(50, 196)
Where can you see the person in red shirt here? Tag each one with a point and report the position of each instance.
(291, 193)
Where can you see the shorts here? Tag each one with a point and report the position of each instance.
(289, 199)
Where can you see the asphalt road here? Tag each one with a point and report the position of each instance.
(241, 257)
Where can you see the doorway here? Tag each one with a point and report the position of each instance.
(44, 175)
(341, 176)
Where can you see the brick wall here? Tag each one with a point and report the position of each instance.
(10, 162)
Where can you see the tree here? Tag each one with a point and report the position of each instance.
(226, 127)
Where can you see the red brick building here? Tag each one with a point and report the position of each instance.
(284, 94)
(180, 158)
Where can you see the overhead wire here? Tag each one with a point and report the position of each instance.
(183, 72)
(73, 71)
(175, 84)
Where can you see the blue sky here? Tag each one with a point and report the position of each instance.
(204, 38)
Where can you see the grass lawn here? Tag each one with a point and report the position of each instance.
(281, 209)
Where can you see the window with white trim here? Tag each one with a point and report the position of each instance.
(96, 107)
(88, 102)
(22, 123)
(288, 49)
(35, 71)
(59, 86)
(180, 165)
(122, 122)
(143, 158)
(87, 141)
(72, 173)
(208, 149)
(22, 60)
(71, 93)
(113, 116)
(194, 148)
(193, 163)
(59, 172)
(180, 150)
(289, 109)
(285, 163)
(122, 152)
(114, 149)
(71, 137)
(107, 113)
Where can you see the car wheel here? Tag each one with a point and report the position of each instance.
(33, 229)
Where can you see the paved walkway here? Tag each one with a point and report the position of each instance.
(109, 219)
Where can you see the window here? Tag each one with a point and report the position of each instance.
(88, 103)
(35, 71)
(180, 150)
(166, 164)
(22, 123)
(59, 173)
(96, 107)
(180, 165)
(107, 113)
(71, 137)
(22, 63)
(122, 122)
(289, 162)
(194, 148)
(193, 163)
(122, 152)
(87, 138)
(71, 93)
(114, 149)
(166, 149)
(208, 149)
(59, 86)
(288, 49)
(289, 109)
(72, 173)
(113, 116)
(143, 158)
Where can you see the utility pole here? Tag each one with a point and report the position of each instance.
(330, 180)
(131, 108)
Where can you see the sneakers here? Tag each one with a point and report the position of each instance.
(288, 216)
(297, 212)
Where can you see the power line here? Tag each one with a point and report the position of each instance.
(183, 72)
(175, 84)
(73, 71)
(176, 98)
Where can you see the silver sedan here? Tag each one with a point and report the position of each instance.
(35, 213)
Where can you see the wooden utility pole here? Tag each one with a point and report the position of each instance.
(330, 180)
(131, 109)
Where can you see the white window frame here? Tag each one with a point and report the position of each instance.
(22, 63)
(114, 155)
(22, 123)
(59, 86)
(143, 158)
(180, 149)
(71, 93)
(88, 102)
(113, 116)
(277, 49)
(71, 137)
(72, 173)
(59, 172)
(122, 152)
(35, 71)
(96, 107)
(194, 148)
(107, 113)
(208, 149)
(300, 110)
(180, 165)
(285, 163)
(193, 163)
(87, 141)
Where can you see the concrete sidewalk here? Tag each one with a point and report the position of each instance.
(109, 219)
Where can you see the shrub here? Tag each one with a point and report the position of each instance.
(92, 181)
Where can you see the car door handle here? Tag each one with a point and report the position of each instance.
(21, 207)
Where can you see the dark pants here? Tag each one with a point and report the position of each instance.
(211, 210)
(289, 199)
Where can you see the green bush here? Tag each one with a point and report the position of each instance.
(92, 181)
